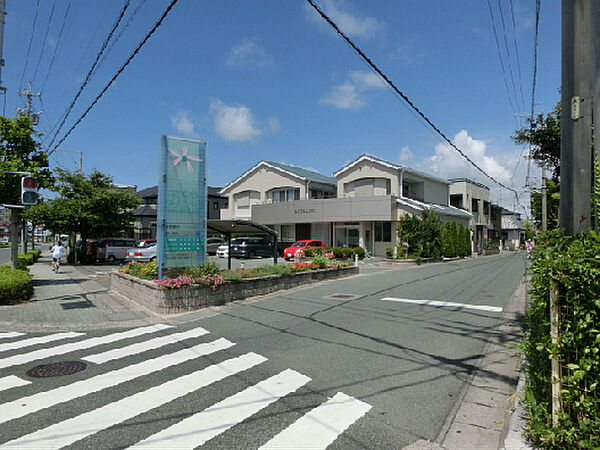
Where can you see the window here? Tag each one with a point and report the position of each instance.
(456, 200)
(243, 202)
(286, 233)
(475, 205)
(383, 232)
(318, 193)
(285, 195)
(486, 207)
(215, 205)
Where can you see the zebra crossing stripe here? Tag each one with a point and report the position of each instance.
(321, 426)
(10, 334)
(37, 340)
(12, 381)
(141, 347)
(36, 402)
(72, 430)
(81, 345)
(199, 428)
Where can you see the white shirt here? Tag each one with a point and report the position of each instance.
(58, 251)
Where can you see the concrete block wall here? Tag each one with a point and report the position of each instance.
(190, 298)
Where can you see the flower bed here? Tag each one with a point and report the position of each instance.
(187, 295)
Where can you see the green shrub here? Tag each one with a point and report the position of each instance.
(34, 253)
(389, 252)
(309, 252)
(15, 286)
(322, 261)
(450, 240)
(145, 271)
(22, 261)
(359, 251)
(573, 265)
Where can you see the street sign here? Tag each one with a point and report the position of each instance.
(181, 203)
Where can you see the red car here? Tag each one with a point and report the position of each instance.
(290, 252)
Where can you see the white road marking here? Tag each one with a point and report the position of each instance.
(81, 345)
(72, 430)
(445, 304)
(37, 340)
(141, 347)
(36, 402)
(320, 427)
(199, 428)
(10, 334)
(12, 381)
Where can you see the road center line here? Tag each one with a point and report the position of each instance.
(439, 303)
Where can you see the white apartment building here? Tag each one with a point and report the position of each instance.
(359, 206)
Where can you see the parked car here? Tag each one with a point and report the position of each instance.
(298, 246)
(145, 243)
(113, 249)
(91, 247)
(223, 250)
(4, 240)
(141, 254)
(213, 244)
(250, 247)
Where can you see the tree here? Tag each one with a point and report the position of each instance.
(410, 231)
(88, 205)
(544, 137)
(19, 152)
(432, 235)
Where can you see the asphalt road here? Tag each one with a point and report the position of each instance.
(406, 363)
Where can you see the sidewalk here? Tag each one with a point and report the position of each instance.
(74, 299)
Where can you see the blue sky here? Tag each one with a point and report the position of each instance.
(270, 80)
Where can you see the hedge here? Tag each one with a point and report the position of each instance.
(573, 265)
(15, 286)
(338, 252)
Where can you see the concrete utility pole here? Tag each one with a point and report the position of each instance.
(2, 14)
(578, 63)
(27, 111)
(544, 201)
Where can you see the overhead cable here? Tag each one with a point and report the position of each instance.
(37, 66)
(512, 14)
(90, 71)
(405, 98)
(116, 75)
(508, 58)
(59, 42)
(37, 7)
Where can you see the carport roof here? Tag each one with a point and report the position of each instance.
(228, 227)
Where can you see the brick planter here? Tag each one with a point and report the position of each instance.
(190, 298)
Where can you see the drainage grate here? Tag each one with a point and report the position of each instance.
(57, 369)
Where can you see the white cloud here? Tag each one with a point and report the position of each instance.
(407, 56)
(237, 123)
(351, 94)
(249, 52)
(182, 123)
(350, 23)
(405, 156)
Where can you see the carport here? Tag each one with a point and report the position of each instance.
(238, 226)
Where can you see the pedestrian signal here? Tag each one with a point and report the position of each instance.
(29, 191)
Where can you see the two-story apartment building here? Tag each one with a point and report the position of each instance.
(359, 206)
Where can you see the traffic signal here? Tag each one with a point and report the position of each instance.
(29, 191)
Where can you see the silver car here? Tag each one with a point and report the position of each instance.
(141, 254)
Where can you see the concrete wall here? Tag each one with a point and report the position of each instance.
(190, 298)
(369, 169)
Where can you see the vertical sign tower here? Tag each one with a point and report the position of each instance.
(181, 203)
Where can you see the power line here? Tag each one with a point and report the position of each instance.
(37, 7)
(89, 74)
(512, 14)
(116, 75)
(405, 98)
(58, 44)
(37, 66)
(510, 71)
(534, 80)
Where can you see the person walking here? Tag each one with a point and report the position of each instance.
(58, 250)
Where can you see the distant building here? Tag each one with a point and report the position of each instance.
(474, 198)
(513, 230)
(145, 215)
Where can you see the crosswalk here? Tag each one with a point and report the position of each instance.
(155, 381)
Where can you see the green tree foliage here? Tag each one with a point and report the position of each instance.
(552, 201)
(431, 235)
(543, 134)
(464, 241)
(573, 266)
(410, 231)
(20, 152)
(450, 240)
(89, 205)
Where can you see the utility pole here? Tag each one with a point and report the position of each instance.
(80, 163)
(544, 202)
(2, 14)
(576, 117)
(27, 111)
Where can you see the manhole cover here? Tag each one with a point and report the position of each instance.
(56, 369)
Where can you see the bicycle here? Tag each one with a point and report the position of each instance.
(56, 265)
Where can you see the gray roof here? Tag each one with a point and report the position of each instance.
(307, 174)
(440, 209)
(153, 192)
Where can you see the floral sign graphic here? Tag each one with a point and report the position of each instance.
(184, 157)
